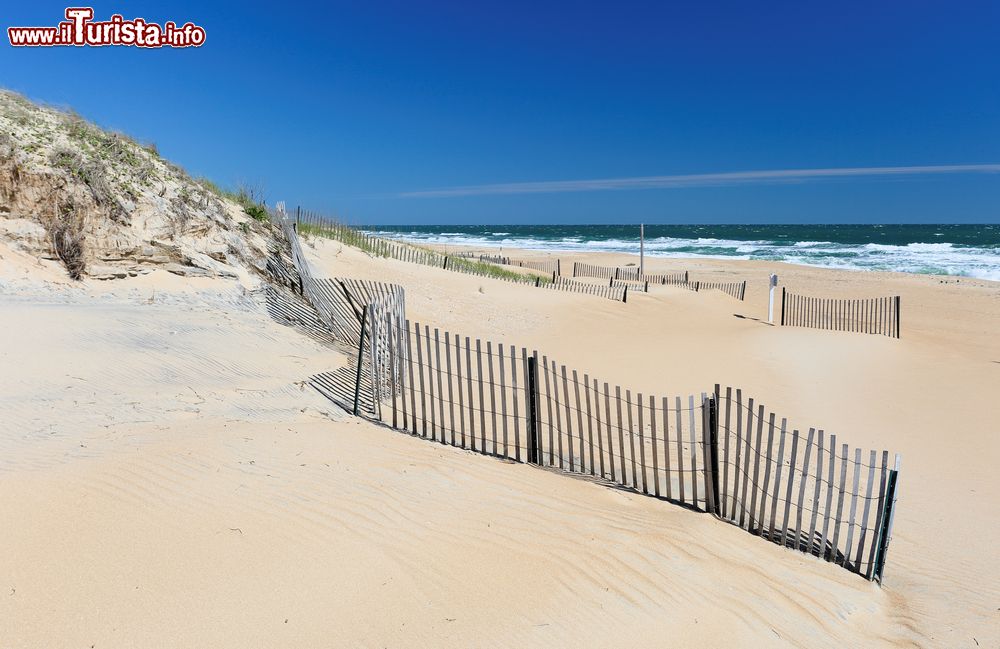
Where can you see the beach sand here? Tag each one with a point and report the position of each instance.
(168, 479)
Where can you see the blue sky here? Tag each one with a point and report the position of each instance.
(367, 109)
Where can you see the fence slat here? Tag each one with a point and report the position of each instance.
(579, 420)
(482, 402)
(514, 404)
(840, 503)
(493, 399)
(666, 447)
(409, 362)
(503, 404)
(621, 435)
(854, 509)
(548, 409)
(693, 449)
(468, 380)
(559, 435)
(631, 438)
(830, 488)
(423, 391)
(440, 391)
(816, 491)
(569, 421)
(430, 380)
(802, 488)
(461, 399)
(448, 376)
(737, 503)
(590, 423)
(680, 447)
(724, 494)
(762, 516)
(652, 437)
(779, 469)
(859, 557)
(611, 439)
(788, 489)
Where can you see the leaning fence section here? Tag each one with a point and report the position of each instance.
(878, 315)
(737, 290)
(803, 490)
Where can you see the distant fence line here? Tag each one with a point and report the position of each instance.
(310, 223)
(549, 266)
(627, 273)
(630, 276)
(715, 452)
(616, 293)
(878, 315)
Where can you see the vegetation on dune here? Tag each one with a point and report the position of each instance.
(342, 233)
(89, 176)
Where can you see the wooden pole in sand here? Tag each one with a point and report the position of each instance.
(770, 298)
(642, 250)
(361, 349)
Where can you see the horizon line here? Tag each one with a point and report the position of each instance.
(695, 180)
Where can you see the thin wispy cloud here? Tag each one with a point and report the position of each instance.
(699, 180)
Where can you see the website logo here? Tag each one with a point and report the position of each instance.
(80, 30)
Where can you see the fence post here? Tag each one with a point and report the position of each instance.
(361, 350)
(710, 437)
(782, 306)
(897, 316)
(445, 263)
(533, 408)
(888, 514)
(298, 215)
(558, 268)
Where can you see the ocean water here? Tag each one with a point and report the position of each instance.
(963, 250)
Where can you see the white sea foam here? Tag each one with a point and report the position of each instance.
(940, 258)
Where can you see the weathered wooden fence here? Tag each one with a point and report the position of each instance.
(878, 315)
(716, 452)
(549, 266)
(712, 452)
(802, 490)
(737, 290)
(616, 293)
(631, 277)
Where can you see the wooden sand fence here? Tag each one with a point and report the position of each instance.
(616, 293)
(737, 290)
(630, 276)
(306, 222)
(548, 267)
(878, 315)
(716, 452)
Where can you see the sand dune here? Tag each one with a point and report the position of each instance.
(168, 480)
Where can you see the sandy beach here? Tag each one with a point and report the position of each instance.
(175, 482)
